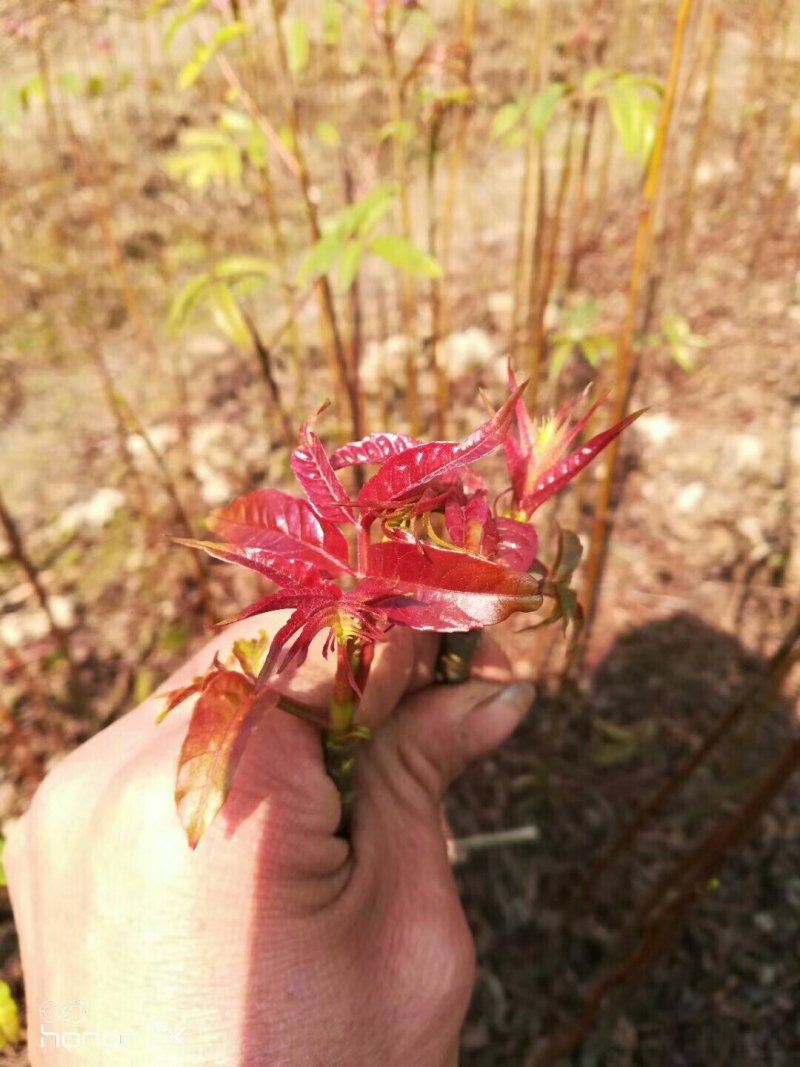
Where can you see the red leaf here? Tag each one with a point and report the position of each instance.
(404, 476)
(283, 570)
(309, 618)
(273, 602)
(560, 474)
(467, 523)
(272, 520)
(314, 472)
(505, 541)
(174, 697)
(376, 448)
(515, 543)
(221, 723)
(447, 590)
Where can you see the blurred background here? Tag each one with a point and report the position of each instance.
(217, 214)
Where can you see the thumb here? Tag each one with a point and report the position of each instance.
(430, 739)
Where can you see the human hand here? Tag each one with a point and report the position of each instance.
(275, 942)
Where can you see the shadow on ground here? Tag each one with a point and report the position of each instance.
(727, 991)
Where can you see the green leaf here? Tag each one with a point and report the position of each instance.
(154, 7)
(297, 46)
(402, 130)
(229, 33)
(327, 133)
(320, 258)
(351, 260)
(251, 652)
(144, 682)
(331, 24)
(95, 84)
(3, 880)
(232, 268)
(682, 344)
(194, 67)
(69, 81)
(543, 107)
(174, 638)
(186, 301)
(568, 555)
(228, 315)
(559, 356)
(506, 118)
(9, 1018)
(181, 19)
(367, 212)
(593, 78)
(634, 115)
(405, 255)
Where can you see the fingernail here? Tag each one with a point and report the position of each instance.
(519, 695)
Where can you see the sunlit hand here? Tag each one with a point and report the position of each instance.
(275, 942)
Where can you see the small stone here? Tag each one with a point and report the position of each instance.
(161, 438)
(657, 426)
(690, 496)
(96, 512)
(468, 350)
(24, 627)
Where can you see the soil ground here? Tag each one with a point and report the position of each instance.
(702, 580)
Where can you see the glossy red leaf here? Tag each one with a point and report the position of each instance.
(308, 618)
(283, 570)
(449, 590)
(376, 448)
(515, 543)
(405, 476)
(314, 472)
(283, 524)
(467, 522)
(221, 723)
(555, 478)
(472, 528)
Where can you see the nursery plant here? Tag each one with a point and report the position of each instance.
(421, 544)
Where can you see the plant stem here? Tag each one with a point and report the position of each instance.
(19, 554)
(389, 41)
(713, 42)
(546, 271)
(529, 199)
(332, 338)
(602, 522)
(353, 662)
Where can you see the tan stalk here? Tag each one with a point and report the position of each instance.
(653, 32)
(524, 254)
(624, 364)
(129, 468)
(713, 40)
(590, 109)
(406, 281)
(546, 272)
(440, 288)
(435, 293)
(279, 249)
(781, 187)
(332, 338)
(48, 87)
(171, 489)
